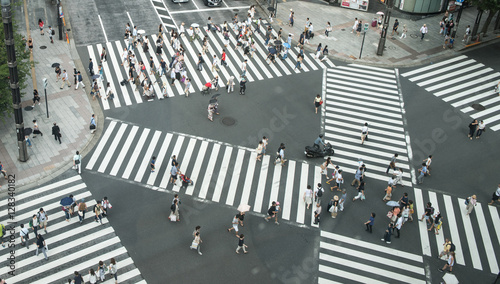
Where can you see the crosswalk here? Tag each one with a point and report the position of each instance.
(71, 246)
(345, 260)
(257, 67)
(476, 242)
(358, 94)
(163, 13)
(462, 82)
(221, 172)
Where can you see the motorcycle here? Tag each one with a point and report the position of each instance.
(314, 152)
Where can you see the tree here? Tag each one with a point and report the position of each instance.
(491, 6)
(23, 69)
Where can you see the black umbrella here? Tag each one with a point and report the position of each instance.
(95, 77)
(277, 42)
(215, 96)
(28, 131)
(272, 50)
(66, 201)
(213, 101)
(54, 65)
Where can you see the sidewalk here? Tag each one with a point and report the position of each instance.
(345, 46)
(71, 109)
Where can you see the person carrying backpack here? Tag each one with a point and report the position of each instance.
(448, 247)
(318, 193)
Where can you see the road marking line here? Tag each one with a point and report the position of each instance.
(432, 66)
(488, 246)
(111, 150)
(471, 240)
(135, 155)
(102, 26)
(235, 177)
(124, 150)
(287, 200)
(197, 167)
(301, 206)
(222, 174)
(455, 236)
(210, 10)
(100, 146)
(347, 275)
(422, 226)
(261, 185)
(207, 179)
(160, 157)
(144, 165)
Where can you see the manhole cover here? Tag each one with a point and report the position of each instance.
(28, 108)
(414, 36)
(342, 30)
(43, 47)
(228, 121)
(392, 47)
(478, 107)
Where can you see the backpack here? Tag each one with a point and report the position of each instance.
(452, 247)
(320, 192)
(467, 201)
(53, 32)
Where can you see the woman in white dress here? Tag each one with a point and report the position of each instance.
(308, 196)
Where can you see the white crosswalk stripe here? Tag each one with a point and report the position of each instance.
(462, 82)
(344, 259)
(476, 242)
(355, 96)
(71, 246)
(220, 172)
(257, 66)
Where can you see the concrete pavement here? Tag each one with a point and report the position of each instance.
(345, 46)
(71, 109)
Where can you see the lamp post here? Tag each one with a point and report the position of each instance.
(59, 19)
(13, 79)
(457, 21)
(363, 42)
(383, 35)
(45, 82)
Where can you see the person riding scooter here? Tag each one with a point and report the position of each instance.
(318, 142)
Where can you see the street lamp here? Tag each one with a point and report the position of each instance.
(363, 42)
(383, 35)
(457, 21)
(45, 83)
(13, 78)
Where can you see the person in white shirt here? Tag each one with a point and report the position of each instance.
(308, 196)
(338, 180)
(24, 233)
(467, 32)
(398, 176)
(480, 129)
(190, 33)
(356, 22)
(65, 79)
(428, 162)
(318, 193)
(364, 132)
(77, 160)
(423, 31)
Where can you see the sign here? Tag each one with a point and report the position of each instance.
(366, 27)
(45, 83)
(355, 4)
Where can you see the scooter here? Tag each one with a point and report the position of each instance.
(314, 152)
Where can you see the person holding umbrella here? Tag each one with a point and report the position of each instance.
(243, 86)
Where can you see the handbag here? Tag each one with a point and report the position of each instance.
(92, 126)
(172, 218)
(194, 245)
(321, 102)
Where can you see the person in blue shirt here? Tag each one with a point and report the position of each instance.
(369, 223)
(318, 142)
(423, 171)
(93, 124)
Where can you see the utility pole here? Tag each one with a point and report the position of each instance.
(59, 19)
(383, 35)
(13, 79)
(457, 21)
(363, 42)
(476, 23)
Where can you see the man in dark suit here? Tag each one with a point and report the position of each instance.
(56, 131)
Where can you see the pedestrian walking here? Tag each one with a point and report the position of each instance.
(105, 206)
(33, 224)
(398, 224)
(447, 246)
(41, 245)
(98, 213)
(328, 29)
(77, 161)
(423, 31)
(56, 131)
(93, 124)
(370, 222)
(91, 67)
(101, 272)
(317, 213)
(364, 133)
(36, 97)
(3, 234)
(82, 208)
(230, 85)
(214, 64)
(28, 141)
(470, 203)
(187, 84)
(43, 218)
(196, 243)
(235, 223)
(173, 173)
(358, 176)
(317, 102)
(423, 172)
(481, 127)
(259, 151)
(308, 196)
(241, 216)
(51, 34)
(387, 234)
(342, 200)
(403, 34)
(65, 79)
(113, 268)
(334, 206)
(358, 29)
(79, 79)
(449, 264)
(40, 26)
(392, 163)
(395, 27)
(428, 162)
(467, 33)
(104, 54)
(318, 193)
(3, 171)
(429, 210)
(361, 192)
(152, 164)
(92, 276)
(24, 233)
(410, 205)
(495, 196)
(78, 279)
(58, 73)
(272, 211)
(241, 244)
(174, 212)
(338, 181)
(324, 166)
(388, 194)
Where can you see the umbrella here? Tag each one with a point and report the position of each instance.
(28, 131)
(66, 201)
(213, 101)
(392, 203)
(141, 32)
(380, 13)
(277, 42)
(286, 45)
(194, 25)
(215, 96)
(449, 278)
(95, 77)
(272, 50)
(244, 208)
(55, 65)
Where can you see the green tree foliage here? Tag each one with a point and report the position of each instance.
(491, 6)
(23, 69)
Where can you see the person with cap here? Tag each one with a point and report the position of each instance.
(82, 207)
(243, 85)
(318, 142)
(334, 206)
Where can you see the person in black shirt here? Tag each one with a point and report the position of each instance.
(272, 212)
(241, 244)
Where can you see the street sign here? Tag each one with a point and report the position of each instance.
(45, 83)
(366, 27)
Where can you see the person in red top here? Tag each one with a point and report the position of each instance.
(40, 25)
(223, 59)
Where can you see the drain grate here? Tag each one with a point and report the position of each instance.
(28, 108)
(478, 107)
(228, 121)
(43, 47)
